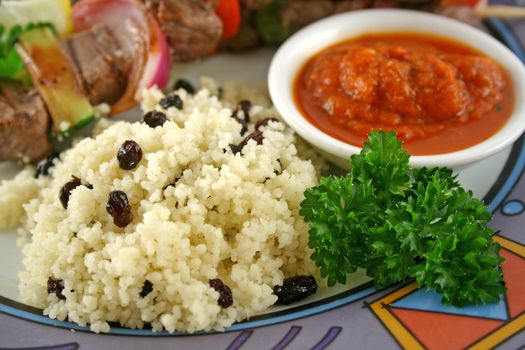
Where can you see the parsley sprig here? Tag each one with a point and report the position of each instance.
(400, 223)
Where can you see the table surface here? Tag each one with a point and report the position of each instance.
(378, 321)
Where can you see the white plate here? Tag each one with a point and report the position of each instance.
(252, 68)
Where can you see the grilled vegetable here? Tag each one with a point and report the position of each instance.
(229, 11)
(54, 78)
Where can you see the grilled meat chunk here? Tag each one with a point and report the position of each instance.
(256, 4)
(100, 67)
(246, 38)
(23, 125)
(298, 14)
(192, 28)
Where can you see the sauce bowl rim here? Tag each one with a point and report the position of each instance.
(301, 46)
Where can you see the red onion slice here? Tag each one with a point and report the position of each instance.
(140, 37)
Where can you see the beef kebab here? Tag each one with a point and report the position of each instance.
(104, 61)
(197, 28)
(119, 47)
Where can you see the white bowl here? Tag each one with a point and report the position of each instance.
(301, 46)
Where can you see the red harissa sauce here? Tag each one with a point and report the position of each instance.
(438, 95)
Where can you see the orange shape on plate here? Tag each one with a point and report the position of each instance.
(514, 275)
(444, 331)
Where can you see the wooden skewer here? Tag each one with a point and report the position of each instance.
(501, 11)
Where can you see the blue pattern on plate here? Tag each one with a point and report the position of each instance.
(426, 300)
(513, 207)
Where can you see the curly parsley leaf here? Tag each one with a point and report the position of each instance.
(338, 205)
(400, 223)
(383, 163)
